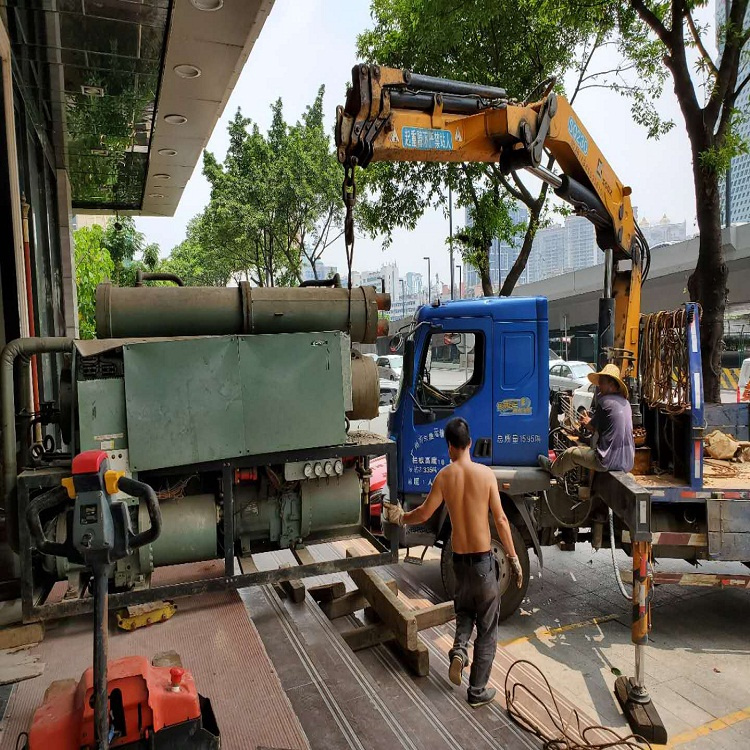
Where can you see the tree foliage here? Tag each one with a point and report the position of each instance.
(512, 45)
(108, 254)
(93, 266)
(275, 200)
(663, 40)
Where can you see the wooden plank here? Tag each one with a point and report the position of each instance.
(418, 659)
(293, 588)
(302, 556)
(437, 614)
(21, 635)
(350, 603)
(392, 611)
(367, 636)
(327, 592)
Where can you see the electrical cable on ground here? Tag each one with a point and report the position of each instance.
(558, 733)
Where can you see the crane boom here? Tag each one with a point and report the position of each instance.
(396, 115)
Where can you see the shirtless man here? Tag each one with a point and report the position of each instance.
(470, 493)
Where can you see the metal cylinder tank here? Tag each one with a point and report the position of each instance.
(188, 532)
(123, 312)
(365, 388)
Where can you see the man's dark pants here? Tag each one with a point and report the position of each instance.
(477, 602)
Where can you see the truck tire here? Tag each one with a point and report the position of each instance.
(510, 595)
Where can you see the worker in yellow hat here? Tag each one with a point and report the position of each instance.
(612, 425)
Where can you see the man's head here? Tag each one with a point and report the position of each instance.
(458, 437)
(609, 381)
(608, 385)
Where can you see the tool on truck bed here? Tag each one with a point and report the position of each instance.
(128, 702)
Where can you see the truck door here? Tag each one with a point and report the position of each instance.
(451, 380)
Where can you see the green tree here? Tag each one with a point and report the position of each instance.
(274, 199)
(93, 266)
(197, 262)
(124, 242)
(663, 40)
(511, 45)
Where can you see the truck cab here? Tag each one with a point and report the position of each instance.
(485, 360)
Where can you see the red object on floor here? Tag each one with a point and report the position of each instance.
(146, 703)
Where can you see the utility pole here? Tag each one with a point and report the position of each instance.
(460, 283)
(450, 236)
(403, 299)
(429, 280)
(728, 182)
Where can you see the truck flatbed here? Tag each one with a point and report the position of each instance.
(722, 476)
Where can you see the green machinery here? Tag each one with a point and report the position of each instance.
(232, 403)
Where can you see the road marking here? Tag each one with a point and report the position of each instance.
(550, 632)
(712, 726)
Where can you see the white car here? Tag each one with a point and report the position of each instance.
(568, 376)
(583, 398)
(390, 366)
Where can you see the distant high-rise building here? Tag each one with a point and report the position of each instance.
(322, 271)
(503, 254)
(663, 230)
(548, 254)
(388, 274)
(739, 181)
(413, 283)
(580, 240)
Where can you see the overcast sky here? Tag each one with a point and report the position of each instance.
(306, 44)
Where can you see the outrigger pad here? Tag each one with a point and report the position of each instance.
(643, 718)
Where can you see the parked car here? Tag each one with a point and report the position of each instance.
(568, 376)
(388, 392)
(743, 382)
(389, 366)
(583, 398)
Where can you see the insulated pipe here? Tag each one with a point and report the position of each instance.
(25, 347)
(123, 312)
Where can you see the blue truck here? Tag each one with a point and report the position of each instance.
(486, 360)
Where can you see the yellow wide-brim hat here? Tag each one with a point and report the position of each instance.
(611, 371)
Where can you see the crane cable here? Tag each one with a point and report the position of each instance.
(665, 379)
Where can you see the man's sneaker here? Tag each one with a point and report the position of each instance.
(456, 668)
(544, 462)
(487, 696)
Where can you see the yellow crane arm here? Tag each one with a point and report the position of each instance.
(396, 115)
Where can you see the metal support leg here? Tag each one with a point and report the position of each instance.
(228, 490)
(631, 692)
(101, 641)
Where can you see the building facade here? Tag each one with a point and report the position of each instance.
(736, 188)
(663, 231)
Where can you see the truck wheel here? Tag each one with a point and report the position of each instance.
(510, 595)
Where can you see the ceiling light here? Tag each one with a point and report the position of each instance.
(162, 176)
(155, 195)
(208, 5)
(167, 152)
(175, 119)
(187, 71)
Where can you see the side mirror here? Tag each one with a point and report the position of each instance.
(407, 372)
(452, 339)
(396, 343)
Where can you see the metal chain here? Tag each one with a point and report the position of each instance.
(349, 196)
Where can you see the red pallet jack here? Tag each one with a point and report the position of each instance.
(128, 703)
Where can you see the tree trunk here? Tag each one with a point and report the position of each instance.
(707, 285)
(523, 257)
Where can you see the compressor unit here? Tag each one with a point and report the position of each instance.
(232, 403)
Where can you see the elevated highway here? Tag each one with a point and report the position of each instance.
(573, 297)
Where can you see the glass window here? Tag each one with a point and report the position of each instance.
(581, 370)
(452, 369)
